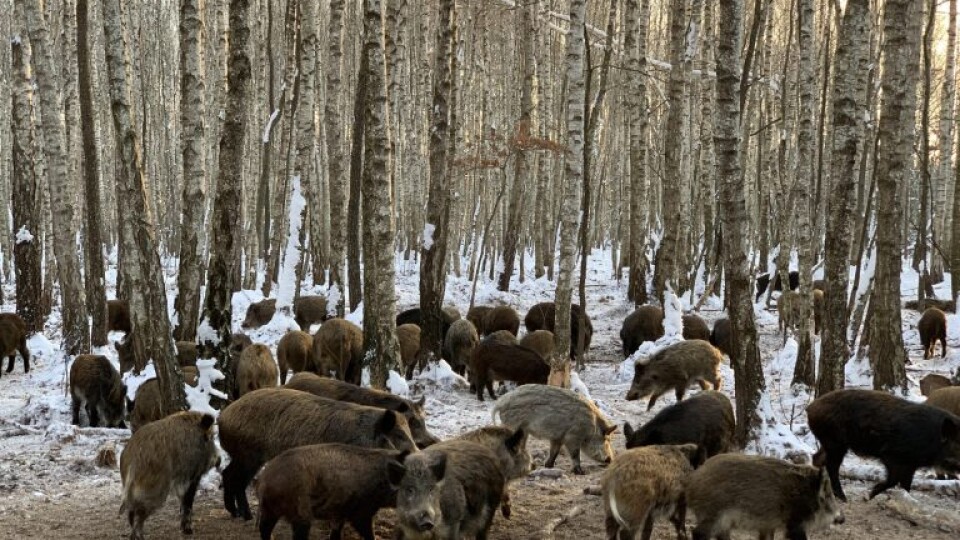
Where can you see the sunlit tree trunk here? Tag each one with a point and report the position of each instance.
(635, 42)
(336, 178)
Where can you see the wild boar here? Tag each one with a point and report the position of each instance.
(145, 408)
(721, 336)
(409, 337)
(540, 341)
(646, 483)
(415, 316)
(295, 353)
(336, 482)
(450, 490)
(817, 310)
(262, 424)
(259, 313)
(543, 317)
(763, 281)
(171, 454)
(477, 315)
(459, 344)
(502, 318)
(96, 383)
(761, 494)
(933, 328)
(947, 399)
(646, 324)
(238, 343)
(187, 353)
(694, 327)
(706, 420)
(412, 410)
(309, 310)
(904, 436)
(947, 306)
(118, 316)
(675, 368)
(13, 340)
(510, 447)
(933, 382)
(338, 350)
(452, 314)
(560, 416)
(495, 362)
(255, 370)
(503, 337)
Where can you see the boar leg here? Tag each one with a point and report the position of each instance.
(896, 475)
(490, 389)
(653, 399)
(186, 507)
(93, 415)
(554, 452)
(795, 531)
(301, 531)
(575, 458)
(704, 531)
(235, 481)
(679, 520)
(831, 458)
(505, 503)
(612, 527)
(11, 360)
(137, 517)
(76, 411)
(681, 391)
(267, 524)
(363, 526)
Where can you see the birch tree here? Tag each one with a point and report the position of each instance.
(945, 184)
(335, 170)
(635, 43)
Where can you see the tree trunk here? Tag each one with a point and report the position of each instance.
(850, 80)
(747, 369)
(192, 113)
(945, 184)
(901, 51)
(76, 333)
(142, 274)
(335, 170)
(303, 160)
(353, 204)
(635, 42)
(569, 213)
(215, 323)
(380, 336)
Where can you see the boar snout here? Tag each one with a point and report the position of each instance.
(424, 521)
(839, 518)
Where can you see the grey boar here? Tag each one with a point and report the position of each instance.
(409, 337)
(309, 310)
(336, 482)
(338, 349)
(255, 370)
(118, 316)
(510, 447)
(96, 383)
(706, 420)
(561, 417)
(187, 353)
(449, 491)
(476, 315)
(904, 436)
(933, 328)
(933, 382)
(495, 362)
(721, 336)
(171, 454)
(540, 341)
(646, 324)
(262, 424)
(502, 318)
(295, 353)
(643, 484)
(761, 494)
(13, 340)
(503, 337)
(344, 391)
(145, 407)
(675, 368)
(543, 317)
(459, 344)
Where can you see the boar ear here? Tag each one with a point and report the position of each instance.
(439, 467)
(402, 408)
(421, 402)
(607, 430)
(395, 472)
(696, 454)
(950, 429)
(206, 422)
(387, 421)
(627, 430)
(514, 440)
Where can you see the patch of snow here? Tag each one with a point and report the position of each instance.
(442, 375)
(428, 229)
(577, 386)
(287, 279)
(672, 315)
(397, 384)
(134, 380)
(199, 397)
(207, 334)
(23, 236)
(269, 126)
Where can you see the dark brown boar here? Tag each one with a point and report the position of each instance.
(118, 316)
(503, 337)
(694, 327)
(510, 447)
(171, 454)
(294, 353)
(706, 420)
(259, 313)
(187, 353)
(477, 315)
(496, 362)
(933, 328)
(459, 344)
(343, 484)
(643, 484)
(904, 436)
(415, 316)
(761, 494)
(540, 341)
(124, 349)
(238, 343)
(933, 382)
(412, 410)
(450, 490)
(95, 382)
(338, 350)
(409, 337)
(947, 306)
(309, 310)
(675, 368)
(543, 317)
(644, 324)
(720, 336)
(145, 407)
(255, 370)
(13, 340)
(502, 318)
(262, 424)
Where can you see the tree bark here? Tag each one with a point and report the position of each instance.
(353, 203)
(635, 42)
(945, 183)
(335, 171)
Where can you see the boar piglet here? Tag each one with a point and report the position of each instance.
(643, 484)
(336, 482)
(458, 345)
(761, 494)
(262, 424)
(706, 420)
(295, 353)
(498, 362)
(510, 447)
(412, 410)
(932, 327)
(171, 454)
(560, 416)
(450, 491)
(675, 368)
(904, 436)
(96, 383)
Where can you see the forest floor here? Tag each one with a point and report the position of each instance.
(51, 487)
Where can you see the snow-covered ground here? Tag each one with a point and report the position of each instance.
(49, 461)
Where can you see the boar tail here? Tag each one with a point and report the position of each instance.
(125, 499)
(614, 510)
